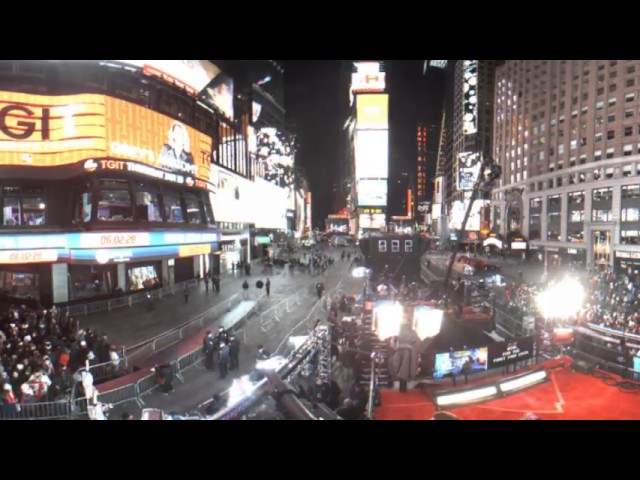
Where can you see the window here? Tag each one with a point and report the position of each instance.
(630, 82)
(597, 155)
(148, 207)
(395, 246)
(114, 206)
(601, 216)
(408, 246)
(193, 209)
(610, 152)
(612, 101)
(628, 113)
(630, 214)
(611, 118)
(576, 216)
(602, 194)
(611, 134)
(631, 191)
(629, 237)
(629, 97)
(84, 207)
(172, 209)
(628, 131)
(382, 246)
(627, 151)
(23, 206)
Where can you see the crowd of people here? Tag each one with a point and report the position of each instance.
(40, 351)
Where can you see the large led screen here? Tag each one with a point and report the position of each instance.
(461, 362)
(470, 96)
(372, 193)
(458, 210)
(192, 75)
(372, 111)
(469, 166)
(105, 132)
(375, 221)
(372, 153)
(198, 77)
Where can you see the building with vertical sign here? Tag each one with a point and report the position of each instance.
(368, 131)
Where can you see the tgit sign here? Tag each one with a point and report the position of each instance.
(20, 122)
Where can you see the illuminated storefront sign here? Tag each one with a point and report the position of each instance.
(372, 111)
(192, 250)
(28, 256)
(53, 131)
(374, 221)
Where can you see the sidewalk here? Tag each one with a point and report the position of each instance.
(132, 325)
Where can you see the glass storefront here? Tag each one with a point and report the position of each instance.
(141, 277)
(21, 285)
(91, 280)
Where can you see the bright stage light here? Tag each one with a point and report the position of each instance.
(470, 396)
(561, 300)
(427, 321)
(387, 318)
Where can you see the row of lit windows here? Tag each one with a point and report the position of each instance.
(395, 246)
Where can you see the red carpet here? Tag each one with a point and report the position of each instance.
(568, 396)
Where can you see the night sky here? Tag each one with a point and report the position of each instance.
(316, 100)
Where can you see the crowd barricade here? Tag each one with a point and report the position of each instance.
(125, 300)
(134, 391)
(45, 410)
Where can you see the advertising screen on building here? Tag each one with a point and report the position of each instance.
(198, 77)
(372, 153)
(367, 78)
(372, 220)
(468, 170)
(106, 133)
(470, 96)
(372, 192)
(372, 111)
(192, 75)
(458, 210)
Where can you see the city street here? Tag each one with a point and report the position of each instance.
(201, 384)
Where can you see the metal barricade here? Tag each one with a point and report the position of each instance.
(189, 359)
(45, 410)
(119, 395)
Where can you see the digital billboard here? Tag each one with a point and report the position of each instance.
(470, 96)
(469, 166)
(110, 134)
(198, 77)
(367, 78)
(372, 111)
(461, 362)
(372, 192)
(192, 75)
(372, 153)
(372, 220)
(458, 210)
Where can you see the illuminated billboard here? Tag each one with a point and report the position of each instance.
(372, 111)
(469, 166)
(191, 75)
(470, 96)
(274, 153)
(372, 220)
(198, 77)
(367, 78)
(105, 132)
(372, 192)
(438, 63)
(458, 210)
(372, 153)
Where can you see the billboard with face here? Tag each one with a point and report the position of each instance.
(103, 132)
